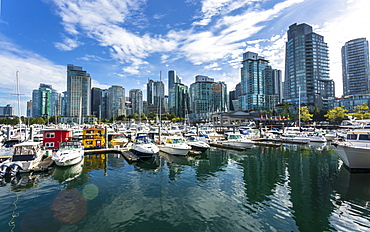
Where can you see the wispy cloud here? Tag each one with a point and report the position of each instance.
(68, 44)
(104, 21)
(350, 25)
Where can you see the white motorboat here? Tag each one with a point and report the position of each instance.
(175, 145)
(26, 156)
(143, 147)
(355, 150)
(197, 144)
(237, 140)
(69, 153)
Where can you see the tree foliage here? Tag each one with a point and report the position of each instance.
(336, 115)
(362, 111)
(305, 114)
(285, 109)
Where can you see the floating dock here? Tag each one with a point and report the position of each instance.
(129, 156)
(228, 146)
(280, 141)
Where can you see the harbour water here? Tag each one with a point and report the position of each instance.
(290, 188)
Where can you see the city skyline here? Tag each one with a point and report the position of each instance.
(126, 42)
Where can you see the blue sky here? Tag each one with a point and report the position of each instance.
(125, 42)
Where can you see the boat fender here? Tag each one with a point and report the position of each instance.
(15, 168)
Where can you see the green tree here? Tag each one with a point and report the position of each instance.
(40, 120)
(362, 111)
(285, 109)
(336, 115)
(177, 119)
(143, 116)
(135, 115)
(318, 115)
(152, 115)
(305, 114)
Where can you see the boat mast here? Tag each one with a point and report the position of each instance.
(19, 107)
(160, 110)
(299, 108)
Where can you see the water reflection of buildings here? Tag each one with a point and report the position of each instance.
(95, 162)
(310, 176)
(262, 172)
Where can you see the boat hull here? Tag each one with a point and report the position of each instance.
(69, 159)
(243, 144)
(69, 162)
(355, 158)
(144, 151)
(174, 150)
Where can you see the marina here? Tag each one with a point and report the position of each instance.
(287, 188)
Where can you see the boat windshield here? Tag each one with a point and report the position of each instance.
(119, 137)
(142, 140)
(177, 140)
(24, 150)
(235, 137)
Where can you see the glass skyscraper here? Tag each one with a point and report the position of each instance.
(136, 96)
(207, 96)
(79, 92)
(307, 69)
(116, 101)
(355, 67)
(258, 87)
(155, 95)
(45, 101)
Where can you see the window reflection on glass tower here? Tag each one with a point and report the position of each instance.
(307, 69)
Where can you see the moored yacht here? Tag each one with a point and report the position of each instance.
(237, 140)
(174, 145)
(355, 150)
(197, 144)
(69, 153)
(26, 156)
(143, 147)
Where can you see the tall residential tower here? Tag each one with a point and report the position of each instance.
(355, 67)
(79, 92)
(307, 69)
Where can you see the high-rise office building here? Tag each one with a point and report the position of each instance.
(172, 80)
(116, 101)
(96, 102)
(259, 90)
(181, 100)
(234, 98)
(7, 110)
(136, 97)
(207, 96)
(307, 69)
(155, 95)
(104, 104)
(79, 92)
(45, 101)
(355, 67)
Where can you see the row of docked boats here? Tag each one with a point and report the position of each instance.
(28, 156)
(352, 146)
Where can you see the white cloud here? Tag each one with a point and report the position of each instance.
(351, 24)
(68, 44)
